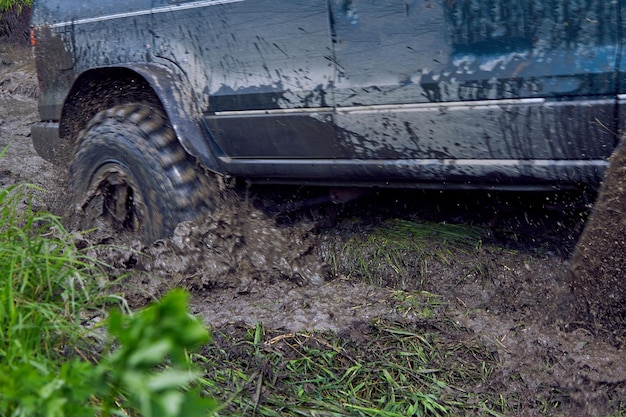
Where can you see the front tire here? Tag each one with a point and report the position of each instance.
(130, 170)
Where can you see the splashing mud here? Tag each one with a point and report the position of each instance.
(332, 267)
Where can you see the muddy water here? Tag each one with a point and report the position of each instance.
(250, 264)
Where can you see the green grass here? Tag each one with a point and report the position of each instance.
(19, 4)
(54, 360)
(383, 369)
(44, 288)
(401, 248)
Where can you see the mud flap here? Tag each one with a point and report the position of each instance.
(48, 145)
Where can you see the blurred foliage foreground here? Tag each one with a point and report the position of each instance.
(66, 349)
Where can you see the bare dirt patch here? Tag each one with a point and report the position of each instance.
(18, 111)
(327, 268)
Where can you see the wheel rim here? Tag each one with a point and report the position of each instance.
(115, 194)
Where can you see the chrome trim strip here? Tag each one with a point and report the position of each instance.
(414, 107)
(157, 10)
(384, 108)
(273, 111)
(451, 105)
(573, 163)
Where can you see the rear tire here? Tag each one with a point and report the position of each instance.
(130, 170)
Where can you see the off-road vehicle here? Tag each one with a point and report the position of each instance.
(141, 98)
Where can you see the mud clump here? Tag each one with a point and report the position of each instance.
(237, 245)
(17, 79)
(237, 248)
(19, 83)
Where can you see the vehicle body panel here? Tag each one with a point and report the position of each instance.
(485, 75)
(76, 36)
(243, 56)
(428, 93)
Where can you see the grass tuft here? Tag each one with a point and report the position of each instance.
(377, 369)
(44, 286)
(401, 248)
(18, 4)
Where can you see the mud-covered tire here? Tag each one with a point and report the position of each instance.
(130, 165)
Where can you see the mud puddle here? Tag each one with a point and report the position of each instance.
(296, 270)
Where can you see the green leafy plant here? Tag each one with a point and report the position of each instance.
(147, 340)
(133, 377)
(55, 360)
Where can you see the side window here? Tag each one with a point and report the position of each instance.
(514, 49)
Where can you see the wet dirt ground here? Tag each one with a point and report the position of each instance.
(290, 270)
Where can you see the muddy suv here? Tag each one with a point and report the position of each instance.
(142, 100)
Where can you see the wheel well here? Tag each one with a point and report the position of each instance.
(98, 90)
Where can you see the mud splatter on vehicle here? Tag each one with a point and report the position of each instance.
(442, 95)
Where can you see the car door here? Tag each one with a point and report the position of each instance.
(262, 70)
(468, 88)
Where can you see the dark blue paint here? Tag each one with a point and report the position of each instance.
(357, 91)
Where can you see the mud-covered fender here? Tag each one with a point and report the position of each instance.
(169, 89)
